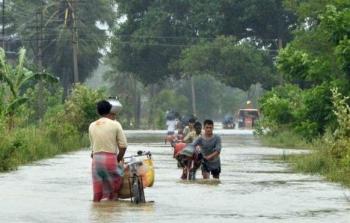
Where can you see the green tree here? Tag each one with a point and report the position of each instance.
(129, 92)
(235, 64)
(268, 22)
(154, 33)
(316, 60)
(51, 29)
(319, 53)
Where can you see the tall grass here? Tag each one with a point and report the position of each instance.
(330, 159)
(285, 139)
(26, 145)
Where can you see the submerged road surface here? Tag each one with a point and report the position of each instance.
(252, 188)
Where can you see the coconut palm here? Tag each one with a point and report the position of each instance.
(56, 30)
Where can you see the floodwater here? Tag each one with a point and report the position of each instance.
(252, 188)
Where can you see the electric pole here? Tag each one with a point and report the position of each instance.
(39, 33)
(75, 42)
(3, 25)
(193, 97)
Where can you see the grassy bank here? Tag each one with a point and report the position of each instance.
(285, 140)
(328, 158)
(25, 145)
(39, 125)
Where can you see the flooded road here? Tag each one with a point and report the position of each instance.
(252, 188)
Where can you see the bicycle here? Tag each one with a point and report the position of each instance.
(136, 186)
(190, 160)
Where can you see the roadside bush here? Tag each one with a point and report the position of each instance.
(331, 153)
(62, 129)
(316, 115)
(307, 113)
(279, 108)
(80, 107)
(7, 154)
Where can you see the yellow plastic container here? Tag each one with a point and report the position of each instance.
(148, 175)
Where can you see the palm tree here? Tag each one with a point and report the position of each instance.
(64, 35)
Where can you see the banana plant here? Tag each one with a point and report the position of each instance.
(17, 79)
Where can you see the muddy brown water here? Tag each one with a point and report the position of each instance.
(252, 188)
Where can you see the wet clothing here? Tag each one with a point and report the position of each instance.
(208, 146)
(171, 126)
(215, 172)
(106, 135)
(106, 181)
(186, 130)
(191, 137)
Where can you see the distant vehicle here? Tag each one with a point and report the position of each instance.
(228, 122)
(247, 117)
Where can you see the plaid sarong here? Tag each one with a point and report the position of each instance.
(105, 180)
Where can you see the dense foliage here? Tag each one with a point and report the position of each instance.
(313, 104)
(154, 34)
(315, 61)
(62, 127)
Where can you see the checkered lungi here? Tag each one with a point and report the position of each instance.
(105, 180)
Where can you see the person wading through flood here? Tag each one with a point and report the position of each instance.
(108, 143)
(210, 148)
(189, 127)
(185, 157)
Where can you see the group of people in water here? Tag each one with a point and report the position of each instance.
(195, 146)
(200, 147)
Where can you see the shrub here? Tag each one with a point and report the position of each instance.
(80, 107)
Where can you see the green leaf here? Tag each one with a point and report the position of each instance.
(14, 105)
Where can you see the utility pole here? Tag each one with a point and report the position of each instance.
(75, 42)
(280, 46)
(39, 27)
(3, 25)
(40, 21)
(193, 97)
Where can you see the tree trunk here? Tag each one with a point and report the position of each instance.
(138, 110)
(280, 46)
(153, 88)
(194, 111)
(75, 44)
(137, 103)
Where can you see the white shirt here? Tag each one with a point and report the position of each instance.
(171, 124)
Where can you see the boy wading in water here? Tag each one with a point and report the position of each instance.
(210, 147)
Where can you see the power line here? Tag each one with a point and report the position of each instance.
(95, 40)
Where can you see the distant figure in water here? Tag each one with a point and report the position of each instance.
(189, 127)
(210, 148)
(171, 123)
(194, 133)
(108, 143)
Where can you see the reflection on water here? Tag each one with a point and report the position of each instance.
(121, 211)
(252, 188)
(208, 182)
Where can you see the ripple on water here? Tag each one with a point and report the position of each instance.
(252, 188)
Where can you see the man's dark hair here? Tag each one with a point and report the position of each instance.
(192, 120)
(197, 125)
(208, 122)
(103, 107)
